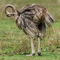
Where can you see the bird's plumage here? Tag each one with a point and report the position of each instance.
(32, 19)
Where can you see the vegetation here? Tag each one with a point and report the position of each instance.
(14, 44)
(46, 56)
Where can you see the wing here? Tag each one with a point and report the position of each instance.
(37, 14)
(49, 19)
(29, 28)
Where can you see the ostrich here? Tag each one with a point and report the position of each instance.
(32, 19)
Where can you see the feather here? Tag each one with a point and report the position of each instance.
(49, 19)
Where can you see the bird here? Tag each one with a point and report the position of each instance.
(32, 19)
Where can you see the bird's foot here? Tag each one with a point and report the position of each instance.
(39, 54)
(30, 55)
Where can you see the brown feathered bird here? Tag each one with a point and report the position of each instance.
(32, 19)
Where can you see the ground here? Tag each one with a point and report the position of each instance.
(15, 44)
(45, 56)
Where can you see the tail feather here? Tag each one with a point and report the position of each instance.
(49, 19)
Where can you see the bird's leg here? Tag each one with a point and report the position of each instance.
(39, 48)
(32, 47)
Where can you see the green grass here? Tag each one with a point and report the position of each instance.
(45, 56)
(14, 42)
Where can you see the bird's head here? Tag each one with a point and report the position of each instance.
(13, 12)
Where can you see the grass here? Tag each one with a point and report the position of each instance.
(45, 56)
(14, 44)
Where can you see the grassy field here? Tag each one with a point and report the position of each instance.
(45, 56)
(14, 44)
